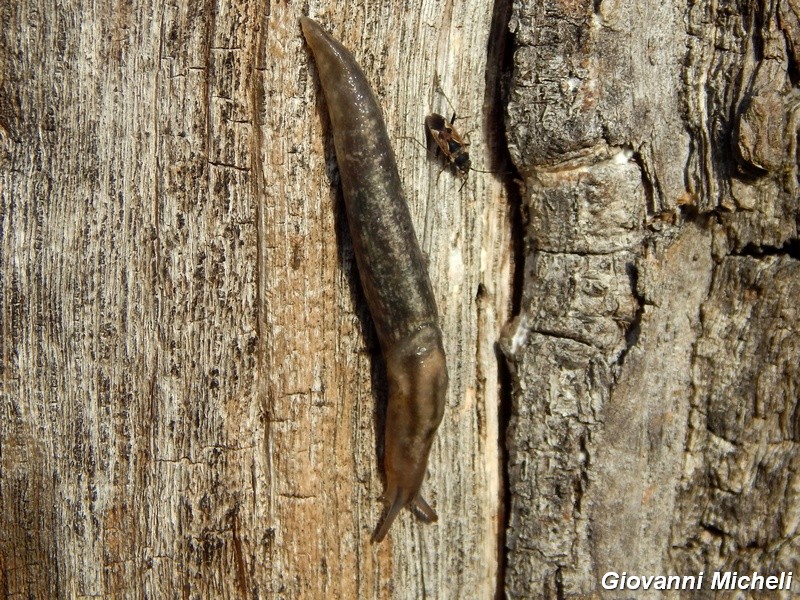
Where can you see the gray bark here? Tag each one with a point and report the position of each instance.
(654, 424)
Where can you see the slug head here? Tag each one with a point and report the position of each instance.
(417, 375)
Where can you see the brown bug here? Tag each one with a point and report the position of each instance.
(450, 143)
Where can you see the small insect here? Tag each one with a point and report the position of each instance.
(450, 143)
(443, 138)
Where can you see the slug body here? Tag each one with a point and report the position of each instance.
(392, 270)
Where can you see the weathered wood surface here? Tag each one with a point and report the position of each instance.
(191, 385)
(654, 424)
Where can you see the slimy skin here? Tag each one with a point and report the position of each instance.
(392, 270)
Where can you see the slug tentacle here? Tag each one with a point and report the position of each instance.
(392, 271)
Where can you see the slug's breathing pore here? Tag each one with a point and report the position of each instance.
(392, 271)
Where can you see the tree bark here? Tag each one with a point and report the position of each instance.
(192, 388)
(654, 425)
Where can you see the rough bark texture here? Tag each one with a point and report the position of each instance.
(655, 423)
(191, 385)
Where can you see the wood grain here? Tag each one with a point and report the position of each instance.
(191, 383)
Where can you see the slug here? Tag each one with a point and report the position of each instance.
(392, 271)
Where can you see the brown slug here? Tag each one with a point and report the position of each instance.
(392, 271)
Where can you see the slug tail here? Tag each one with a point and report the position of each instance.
(394, 510)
